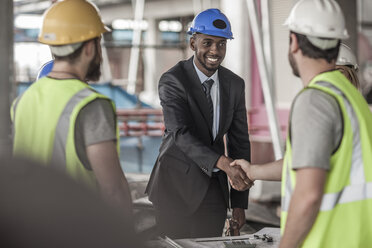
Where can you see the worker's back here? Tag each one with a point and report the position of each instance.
(36, 115)
(44, 124)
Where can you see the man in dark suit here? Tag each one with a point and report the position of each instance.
(202, 101)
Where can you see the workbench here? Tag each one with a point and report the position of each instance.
(219, 242)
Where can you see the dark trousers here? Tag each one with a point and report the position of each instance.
(207, 221)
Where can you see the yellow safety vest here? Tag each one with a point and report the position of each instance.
(44, 124)
(345, 216)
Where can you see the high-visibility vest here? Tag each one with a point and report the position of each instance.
(44, 120)
(345, 216)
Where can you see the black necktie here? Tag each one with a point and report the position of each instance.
(207, 85)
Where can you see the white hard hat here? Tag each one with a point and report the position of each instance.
(318, 19)
(346, 57)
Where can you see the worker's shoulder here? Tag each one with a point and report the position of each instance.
(315, 98)
(101, 102)
(313, 94)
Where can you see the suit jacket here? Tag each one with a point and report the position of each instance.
(188, 153)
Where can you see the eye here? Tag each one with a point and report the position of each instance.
(222, 43)
(206, 43)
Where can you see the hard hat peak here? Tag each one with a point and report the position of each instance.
(45, 69)
(346, 57)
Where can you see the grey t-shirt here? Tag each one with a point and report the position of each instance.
(316, 129)
(95, 123)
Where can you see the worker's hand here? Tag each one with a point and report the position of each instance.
(240, 183)
(237, 177)
(245, 166)
(238, 214)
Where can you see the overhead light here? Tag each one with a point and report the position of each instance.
(170, 26)
(129, 24)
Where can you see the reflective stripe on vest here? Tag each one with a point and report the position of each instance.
(59, 147)
(286, 199)
(358, 188)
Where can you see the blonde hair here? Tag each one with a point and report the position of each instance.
(350, 73)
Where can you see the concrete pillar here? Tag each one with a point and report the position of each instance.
(138, 9)
(149, 94)
(238, 50)
(349, 8)
(6, 73)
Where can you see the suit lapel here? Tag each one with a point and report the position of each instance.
(224, 102)
(197, 91)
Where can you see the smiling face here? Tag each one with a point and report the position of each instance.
(209, 52)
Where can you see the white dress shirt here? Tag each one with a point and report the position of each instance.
(215, 95)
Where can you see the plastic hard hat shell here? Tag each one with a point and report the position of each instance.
(45, 69)
(318, 18)
(346, 57)
(71, 21)
(211, 22)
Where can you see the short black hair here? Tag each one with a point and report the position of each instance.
(314, 52)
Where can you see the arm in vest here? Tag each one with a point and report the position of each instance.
(304, 205)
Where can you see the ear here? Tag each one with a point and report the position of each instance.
(89, 48)
(293, 45)
(192, 43)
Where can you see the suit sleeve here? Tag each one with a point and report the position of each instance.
(178, 122)
(239, 146)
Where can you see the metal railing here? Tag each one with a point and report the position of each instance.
(140, 122)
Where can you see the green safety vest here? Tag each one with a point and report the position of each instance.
(44, 124)
(345, 216)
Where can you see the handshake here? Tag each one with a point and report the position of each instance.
(238, 172)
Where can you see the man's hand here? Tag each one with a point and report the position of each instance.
(238, 214)
(245, 166)
(237, 177)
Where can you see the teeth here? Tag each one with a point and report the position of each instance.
(213, 60)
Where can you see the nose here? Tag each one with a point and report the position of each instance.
(214, 48)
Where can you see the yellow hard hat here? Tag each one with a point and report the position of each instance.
(71, 21)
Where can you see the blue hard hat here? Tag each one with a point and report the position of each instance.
(211, 22)
(45, 69)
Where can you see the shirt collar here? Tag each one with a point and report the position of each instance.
(202, 76)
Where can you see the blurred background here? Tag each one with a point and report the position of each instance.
(148, 37)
